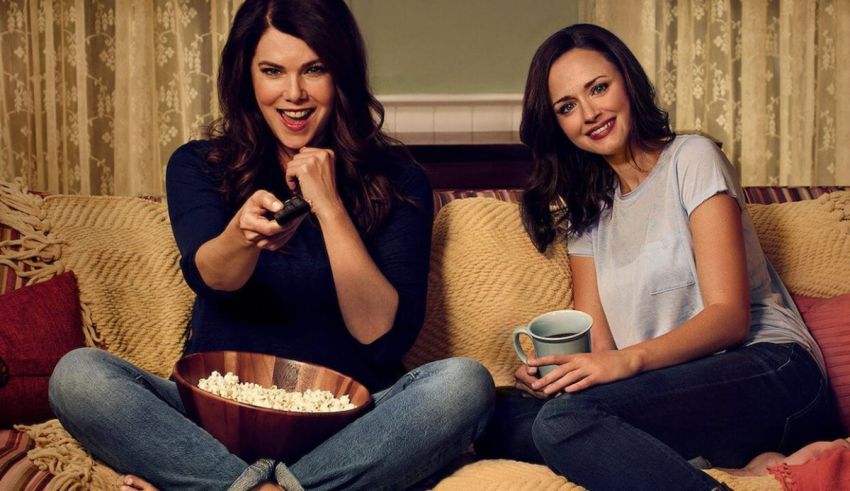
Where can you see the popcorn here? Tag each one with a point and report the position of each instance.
(309, 401)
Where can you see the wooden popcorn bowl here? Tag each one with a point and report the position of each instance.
(253, 432)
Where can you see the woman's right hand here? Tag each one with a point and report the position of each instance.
(253, 226)
(227, 261)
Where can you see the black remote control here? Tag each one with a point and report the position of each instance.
(293, 207)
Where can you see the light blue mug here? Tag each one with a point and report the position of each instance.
(560, 332)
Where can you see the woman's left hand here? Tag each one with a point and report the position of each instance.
(311, 172)
(573, 373)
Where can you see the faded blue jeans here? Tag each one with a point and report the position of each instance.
(640, 433)
(134, 421)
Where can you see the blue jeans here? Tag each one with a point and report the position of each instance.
(639, 433)
(134, 421)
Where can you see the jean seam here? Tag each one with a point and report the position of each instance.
(789, 421)
(469, 436)
(698, 475)
(788, 361)
(436, 457)
(412, 376)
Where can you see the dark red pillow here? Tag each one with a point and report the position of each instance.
(828, 320)
(38, 324)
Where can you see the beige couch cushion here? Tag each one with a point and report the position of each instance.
(808, 243)
(486, 279)
(505, 475)
(510, 475)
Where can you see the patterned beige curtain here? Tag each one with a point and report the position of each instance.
(96, 94)
(769, 78)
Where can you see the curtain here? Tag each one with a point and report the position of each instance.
(768, 78)
(96, 94)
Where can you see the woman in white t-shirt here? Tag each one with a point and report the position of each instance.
(698, 353)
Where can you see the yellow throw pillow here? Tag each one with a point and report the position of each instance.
(486, 279)
(808, 242)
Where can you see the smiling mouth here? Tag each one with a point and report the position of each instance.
(298, 115)
(601, 130)
(295, 120)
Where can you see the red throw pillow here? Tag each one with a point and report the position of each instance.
(38, 324)
(828, 320)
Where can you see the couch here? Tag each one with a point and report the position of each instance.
(486, 278)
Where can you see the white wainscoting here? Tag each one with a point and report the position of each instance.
(468, 117)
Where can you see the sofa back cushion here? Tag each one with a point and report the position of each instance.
(808, 242)
(486, 278)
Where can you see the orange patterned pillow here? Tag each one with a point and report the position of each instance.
(828, 320)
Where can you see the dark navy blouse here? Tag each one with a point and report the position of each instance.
(289, 306)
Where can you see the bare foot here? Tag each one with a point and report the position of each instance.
(812, 450)
(130, 482)
(268, 486)
(758, 466)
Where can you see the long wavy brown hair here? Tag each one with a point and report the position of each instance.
(241, 140)
(569, 187)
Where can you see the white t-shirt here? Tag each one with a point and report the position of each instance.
(643, 252)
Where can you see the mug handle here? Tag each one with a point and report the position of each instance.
(517, 346)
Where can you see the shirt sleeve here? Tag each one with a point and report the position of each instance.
(401, 249)
(196, 208)
(703, 171)
(580, 244)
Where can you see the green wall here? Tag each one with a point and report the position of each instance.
(456, 46)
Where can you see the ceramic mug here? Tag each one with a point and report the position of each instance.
(560, 332)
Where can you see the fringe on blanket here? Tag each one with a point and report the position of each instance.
(35, 256)
(839, 204)
(60, 454)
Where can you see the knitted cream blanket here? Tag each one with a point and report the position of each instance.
(127, 267)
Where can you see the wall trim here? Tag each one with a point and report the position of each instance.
(462, 114)
(404, 99)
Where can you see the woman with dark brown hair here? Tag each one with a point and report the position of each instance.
(698, 353)
(342, 286)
